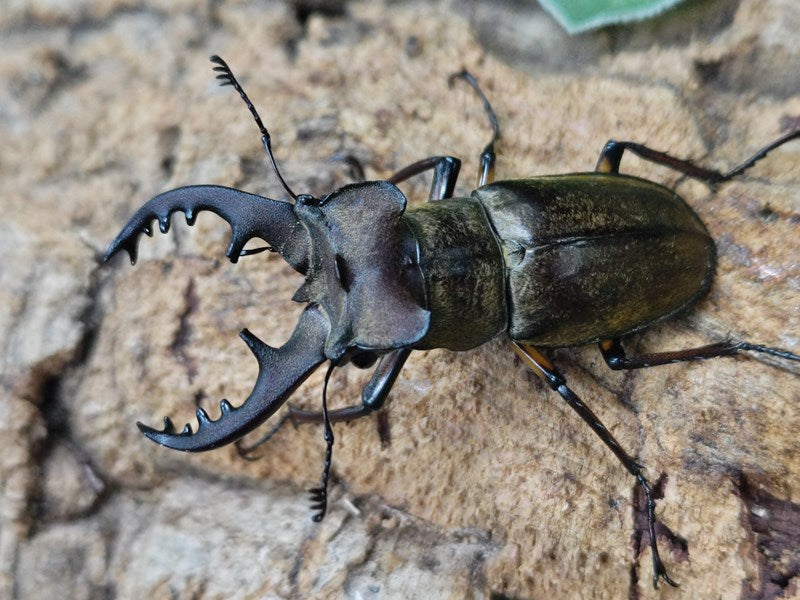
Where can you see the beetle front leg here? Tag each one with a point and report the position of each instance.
(354, 165)
(296, 416)
(544, 369)
(373, 398)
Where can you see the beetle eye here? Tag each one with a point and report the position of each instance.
(343, 273)
(364, 360)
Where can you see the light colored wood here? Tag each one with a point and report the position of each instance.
(490, 484)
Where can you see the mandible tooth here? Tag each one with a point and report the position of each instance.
(202, 417)
(264, 353)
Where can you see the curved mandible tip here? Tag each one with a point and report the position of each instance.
(249, 216)
(280, 372)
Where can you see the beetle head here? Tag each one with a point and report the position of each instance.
(363, 282)
(362, 285)
(362, 269)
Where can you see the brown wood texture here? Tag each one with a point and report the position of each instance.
(490, 486)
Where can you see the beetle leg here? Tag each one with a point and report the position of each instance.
(614, 354)
(445, 174)
(354, 165)
(374, 394)
(373, 397)
(544, 369)
(297, 416)
(611, 156)
(488, 156)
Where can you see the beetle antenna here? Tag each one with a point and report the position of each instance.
(319, 495)
(226, 77)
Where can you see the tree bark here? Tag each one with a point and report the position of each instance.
(489, 486)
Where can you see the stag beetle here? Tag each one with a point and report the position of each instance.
(550, 262)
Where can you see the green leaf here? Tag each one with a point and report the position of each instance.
(579, 15)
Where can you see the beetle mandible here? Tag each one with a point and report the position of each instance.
(550, 262)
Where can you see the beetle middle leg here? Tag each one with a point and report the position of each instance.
(544, 368)
(488, 156)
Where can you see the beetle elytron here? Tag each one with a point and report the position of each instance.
(550, 262)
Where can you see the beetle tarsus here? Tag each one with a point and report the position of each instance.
(245, 451)
(659, 570)
(769, 350)
(259, 250)
(542, 366)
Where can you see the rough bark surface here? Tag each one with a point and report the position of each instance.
(490, 487)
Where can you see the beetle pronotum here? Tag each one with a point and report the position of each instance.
(544, 261)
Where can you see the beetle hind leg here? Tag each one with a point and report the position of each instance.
(611, 156)
(615, 357)
(544, 369)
